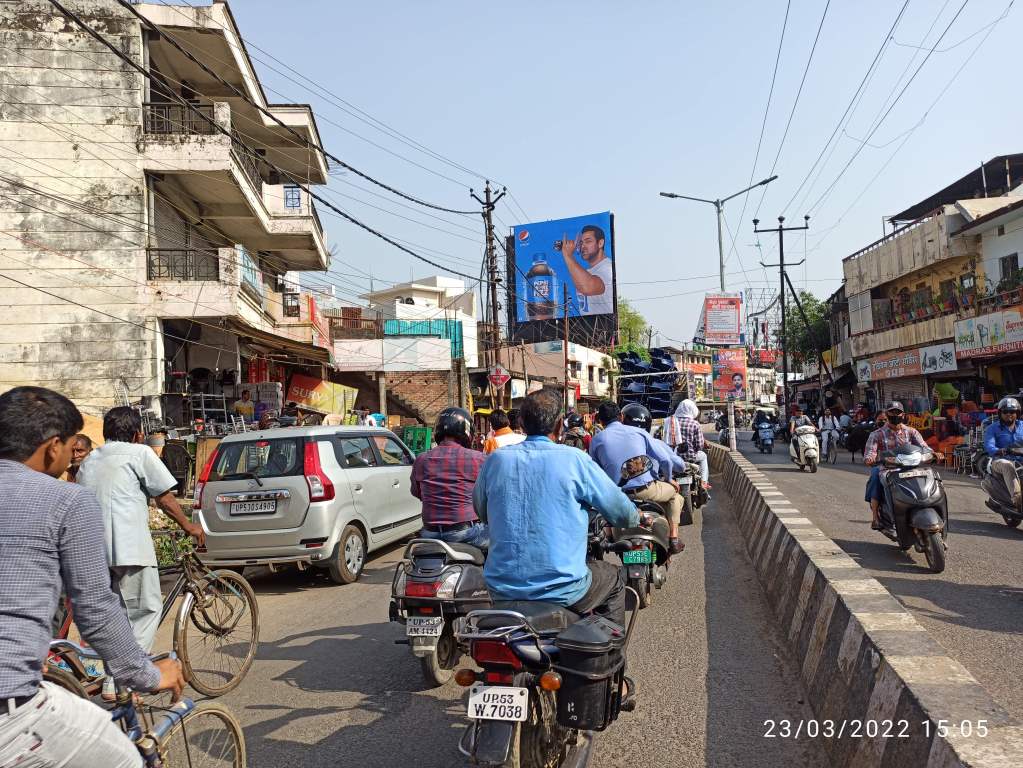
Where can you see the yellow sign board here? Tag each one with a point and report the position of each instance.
(319, 395)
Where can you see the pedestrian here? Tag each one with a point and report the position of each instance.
(81, 448)
(125, 474)
(333, 420)
(502, 432)
(244, 407)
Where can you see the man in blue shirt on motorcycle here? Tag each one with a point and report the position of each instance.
(618, 442)
(1005, 432)
(535, 497)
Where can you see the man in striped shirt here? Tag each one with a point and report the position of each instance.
(443, 478)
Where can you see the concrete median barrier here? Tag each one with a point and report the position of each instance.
(884, 692)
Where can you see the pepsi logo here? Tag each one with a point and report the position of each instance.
(524, 236)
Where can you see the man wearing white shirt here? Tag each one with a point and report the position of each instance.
(594, 283)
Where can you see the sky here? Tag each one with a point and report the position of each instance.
(579, 107)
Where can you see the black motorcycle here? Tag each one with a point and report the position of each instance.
(434, 584)
(914, 510)
(550, 679)
(999, 498)
(646, 558)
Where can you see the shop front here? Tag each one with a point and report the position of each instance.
(992, 345)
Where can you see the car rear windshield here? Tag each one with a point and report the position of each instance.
(278, 457)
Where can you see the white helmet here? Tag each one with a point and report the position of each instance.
(1008, 404)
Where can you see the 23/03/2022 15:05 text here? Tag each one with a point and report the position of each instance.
(859, 729)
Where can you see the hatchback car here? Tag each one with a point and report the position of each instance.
(320, 495)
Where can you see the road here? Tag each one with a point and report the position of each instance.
(974, 608)
(329, 687)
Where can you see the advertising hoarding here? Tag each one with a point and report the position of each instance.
(722, 317)
(991, 334)
(730, 374)
(319, 395)
(546, 257)
(937, 358)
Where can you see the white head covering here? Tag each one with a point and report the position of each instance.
(688, 409)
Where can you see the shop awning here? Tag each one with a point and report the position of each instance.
(300, 351)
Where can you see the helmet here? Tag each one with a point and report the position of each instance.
(895, 405)
(637, 415)
(1007, 404)
(573, 420)
(456, 423)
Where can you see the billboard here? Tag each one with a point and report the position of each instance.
(730, 374)
(545, 258)
(722, 318)
(937, 358)
(991, 334)
(323, 396)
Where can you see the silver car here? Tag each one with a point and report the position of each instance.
(320, 495)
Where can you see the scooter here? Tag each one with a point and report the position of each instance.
(804, 450)
(999, 498)
(434, 584)
(914, 505)
(765, 437)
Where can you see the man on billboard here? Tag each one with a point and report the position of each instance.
(593, 283)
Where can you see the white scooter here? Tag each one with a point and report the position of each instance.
(804, 450)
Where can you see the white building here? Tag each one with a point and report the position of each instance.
(146, 241)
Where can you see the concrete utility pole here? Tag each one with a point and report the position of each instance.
(781, 229)
(564, 309)
(489, 202)
(719, 207)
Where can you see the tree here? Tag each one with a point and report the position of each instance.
(802, 341)
(633, 330)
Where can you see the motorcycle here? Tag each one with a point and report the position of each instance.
(764, 437)
(999, 498)
(914, 504)
(434, 584)
(646, 559)
(550, 679)
(804, 451)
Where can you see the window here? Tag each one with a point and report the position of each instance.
(589, 370)
(290, 305)
(602, 373)
(292, 196)
(353, 452)
(265, 458)
(391, 453)
(1008, 266)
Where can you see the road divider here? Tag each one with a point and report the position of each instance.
(884, 692)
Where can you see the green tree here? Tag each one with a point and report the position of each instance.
(804, 339)
(633, 329)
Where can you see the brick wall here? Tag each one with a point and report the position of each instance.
(427, 391)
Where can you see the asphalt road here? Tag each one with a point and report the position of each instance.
(974, 608)
(329, 687)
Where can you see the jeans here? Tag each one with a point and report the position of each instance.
(57, 728)
(475, 535)
(139, 588)
(874, 488)
(606, 595)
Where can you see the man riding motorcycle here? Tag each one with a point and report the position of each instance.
(999, 437)
(686, 437)
(620, 441)
(534, 496)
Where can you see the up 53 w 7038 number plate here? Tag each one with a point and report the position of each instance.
(637, 556)
(498, 702)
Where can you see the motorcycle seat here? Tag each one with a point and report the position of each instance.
(543, 617)
(465, 553)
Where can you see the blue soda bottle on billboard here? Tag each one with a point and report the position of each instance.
(541, 289)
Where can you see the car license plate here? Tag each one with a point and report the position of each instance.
(637, 556)
(424, 626)
(498, 702)
(254, 507)
(914, 473)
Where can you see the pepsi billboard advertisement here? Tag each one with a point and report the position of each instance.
(545, 258)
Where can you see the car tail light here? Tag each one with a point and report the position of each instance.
(494, 652)
(320, 487)
(421, 588)
(204, 476)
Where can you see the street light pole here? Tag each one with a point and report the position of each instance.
(719, 207)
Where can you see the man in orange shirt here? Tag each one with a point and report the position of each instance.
(503, 433)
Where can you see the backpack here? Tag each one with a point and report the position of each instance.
(575, 440)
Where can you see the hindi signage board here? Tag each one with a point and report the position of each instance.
(722, 319)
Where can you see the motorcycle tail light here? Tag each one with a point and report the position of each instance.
(498, 678)
(446, 590)
(494, 652)
(421, 588)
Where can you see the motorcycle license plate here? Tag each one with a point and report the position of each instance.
(914, 473)
(637, 556)
(498, 702)
(424, 626)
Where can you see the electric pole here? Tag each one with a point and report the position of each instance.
(565, 343)
(489, 202)
(781, 229)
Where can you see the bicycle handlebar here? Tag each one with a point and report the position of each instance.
(58, 646)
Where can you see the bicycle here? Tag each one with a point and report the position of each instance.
(218, 613)
(184, 735)
(830, 450)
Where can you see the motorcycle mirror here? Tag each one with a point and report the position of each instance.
(634, 467)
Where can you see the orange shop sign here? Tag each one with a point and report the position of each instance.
(893, 365)
(319, 395)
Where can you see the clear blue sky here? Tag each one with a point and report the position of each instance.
(587, 106)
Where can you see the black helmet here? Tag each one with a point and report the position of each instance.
(456, 423)
(573, 420)
(1008, 404)
(637, 415)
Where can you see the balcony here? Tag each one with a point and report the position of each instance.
(167, 119)
(183, 265)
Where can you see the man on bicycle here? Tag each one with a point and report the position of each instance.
(828, 426)
(51, 533)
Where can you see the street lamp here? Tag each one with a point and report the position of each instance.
(719, 207)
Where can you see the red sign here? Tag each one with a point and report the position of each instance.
(730, 374)
(766, 357)
(499, 376)
(320, 324)
(722, 319)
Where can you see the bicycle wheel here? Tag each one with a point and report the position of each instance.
(207, 737)
(217, 640)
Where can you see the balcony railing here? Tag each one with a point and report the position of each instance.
(249, 166)
(182, 264)
(176, 118)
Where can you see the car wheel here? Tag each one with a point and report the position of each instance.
(349, 557)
